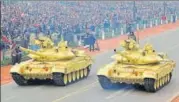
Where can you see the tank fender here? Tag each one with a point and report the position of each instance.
(15, 69)
(105, 71)
(150, 74)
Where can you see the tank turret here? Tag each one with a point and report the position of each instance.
(48, 52)
(132, 54)
(30, 51)
(49, 55)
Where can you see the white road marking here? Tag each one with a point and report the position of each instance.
(128, 92)
(86, 88)
(117, 93)
(173, 47)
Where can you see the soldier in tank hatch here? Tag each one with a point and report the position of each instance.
(132, 36)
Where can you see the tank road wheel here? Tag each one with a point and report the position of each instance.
(81, 73)
(77, 75)
(74, 76)
(19, 79)
(160, 82)
(156, 84)
(163, 81)
(88, 69)
(69, 78)
(105, 82)
(150, 85)
(60, 79)
(85, 72)
(170, 76)
(166, 79)
(65, 79)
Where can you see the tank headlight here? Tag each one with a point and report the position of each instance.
(30, 69)
(114, 70)
(46, 69)
(110, 72)
(135, 73)
(22, 70)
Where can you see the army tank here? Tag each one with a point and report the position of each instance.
(60, 64)
(144, 68)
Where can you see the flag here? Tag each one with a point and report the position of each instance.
(5, 39)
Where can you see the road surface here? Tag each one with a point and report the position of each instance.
(89, 90)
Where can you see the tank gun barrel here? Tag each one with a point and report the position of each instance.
(30, 51)
(120, 53)
(124, 55)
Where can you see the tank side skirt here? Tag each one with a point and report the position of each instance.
(78, 64)
(163, 70)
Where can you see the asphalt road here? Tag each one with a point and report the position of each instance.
(89, 90)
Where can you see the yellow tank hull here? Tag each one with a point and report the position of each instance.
(152, 77)
(60, 72)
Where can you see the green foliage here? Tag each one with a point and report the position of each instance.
(8, 60)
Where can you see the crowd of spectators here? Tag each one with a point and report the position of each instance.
(26, 20)
(21, 18)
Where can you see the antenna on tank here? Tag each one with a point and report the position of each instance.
(62, 39)
(137, 37)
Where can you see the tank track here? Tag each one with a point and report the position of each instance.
(152, 85)
(139, 87)
(19, 79)
(105, 82)
(61, 79)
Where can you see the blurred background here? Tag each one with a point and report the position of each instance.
(23, 21)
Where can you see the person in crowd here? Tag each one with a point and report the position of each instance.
(129, 28)
(92, 41)
(74, 17)
(174, 18)
(86, 39)
(18, 55)
(13, 55)
(2, 45)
